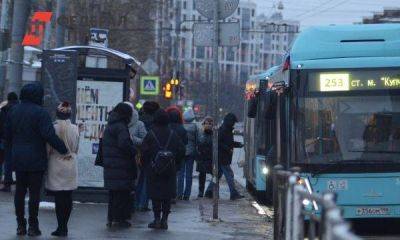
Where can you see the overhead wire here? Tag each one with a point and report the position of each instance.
(325, 10)
(314, 8)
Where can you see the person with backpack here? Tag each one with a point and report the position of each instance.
(205, 153)
(186, 170)
(176, 123)
(119, 165)
(146, 115)
(162, 151)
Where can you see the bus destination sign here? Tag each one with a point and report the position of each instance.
(355, 81)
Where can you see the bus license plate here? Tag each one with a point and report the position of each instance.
(372, 211)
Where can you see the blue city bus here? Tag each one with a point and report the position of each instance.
(337, 115)
(257, 138)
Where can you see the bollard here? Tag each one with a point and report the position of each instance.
(298, 218)
(290, 212)
(278, 215)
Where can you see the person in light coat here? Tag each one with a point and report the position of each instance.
(138, 132)
(137, 129)
(62, 172)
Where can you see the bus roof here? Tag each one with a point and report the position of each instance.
(351, 41)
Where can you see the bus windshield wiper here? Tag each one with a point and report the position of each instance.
(374, 151)
(343, 162)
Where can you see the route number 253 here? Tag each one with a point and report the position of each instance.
(330, 82)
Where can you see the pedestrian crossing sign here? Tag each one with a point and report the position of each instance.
(149, 85)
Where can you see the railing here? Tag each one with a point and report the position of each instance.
(295, 205)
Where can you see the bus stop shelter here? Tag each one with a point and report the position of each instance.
(93, 92)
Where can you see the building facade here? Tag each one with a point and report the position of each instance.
(389, 15)
(263, 44)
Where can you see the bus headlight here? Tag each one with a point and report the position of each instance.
(265, 170)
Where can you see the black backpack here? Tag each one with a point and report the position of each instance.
(163, 163)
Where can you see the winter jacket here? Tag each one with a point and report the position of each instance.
(192, 133)
(176, 125)
(3, 116)
(226, 142)
(161, 187)
(205, 149)
(147, 112)
(62, 173)
(27, 130)
(147, 119)
(137, 129)
(118, 154)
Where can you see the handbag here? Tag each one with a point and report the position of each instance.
(99, 156)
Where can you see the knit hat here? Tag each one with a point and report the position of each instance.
(12, 96)
(64, 111)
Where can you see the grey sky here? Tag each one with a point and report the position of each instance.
(325, 12)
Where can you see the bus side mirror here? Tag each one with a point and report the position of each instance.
(252, 112)
(270, 108)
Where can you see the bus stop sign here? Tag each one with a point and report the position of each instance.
(149, 85)
(229, 34)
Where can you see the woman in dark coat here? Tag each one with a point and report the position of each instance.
(119, 165)
(205, 149)
(161, 188)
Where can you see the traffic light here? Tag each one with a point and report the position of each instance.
(168, 91)
(174, 81)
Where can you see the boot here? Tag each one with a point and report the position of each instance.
(236, 196)
(201, 194)
(21, 229)
(6, 188)
(60, 232)
(164, 221)
(209, 194)
(123, 224)
(156, 224)
(33, 230)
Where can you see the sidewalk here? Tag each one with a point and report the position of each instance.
(189, 220)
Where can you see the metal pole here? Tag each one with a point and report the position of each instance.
(20, 18)
(177, 45)
(48, 28)
(4, 28)
(60, 30)
(215, 109)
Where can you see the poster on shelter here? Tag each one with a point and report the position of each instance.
(94, 100)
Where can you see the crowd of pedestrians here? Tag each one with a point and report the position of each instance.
(146, 155)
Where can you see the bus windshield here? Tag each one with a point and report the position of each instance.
(345, 126)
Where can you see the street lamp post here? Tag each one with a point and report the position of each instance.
(215, 92)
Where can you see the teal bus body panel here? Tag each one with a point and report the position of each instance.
(356, 192)
(347, 63)
(368, 40)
